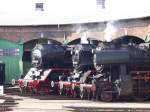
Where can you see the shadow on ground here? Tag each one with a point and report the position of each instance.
(8, 103)
(52, 96)
(95, 109)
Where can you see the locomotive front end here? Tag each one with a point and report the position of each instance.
(36, 57)
(83, 56)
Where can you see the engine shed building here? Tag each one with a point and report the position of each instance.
(22, 38)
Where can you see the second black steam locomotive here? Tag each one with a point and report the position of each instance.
(118, 68)
(118, 71)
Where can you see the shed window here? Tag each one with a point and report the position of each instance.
(9, 52)
(39, 7)
(100, 4)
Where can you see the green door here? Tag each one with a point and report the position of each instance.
(11, 55)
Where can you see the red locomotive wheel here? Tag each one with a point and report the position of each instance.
(141, 98)
(82, 95)
(21, 90)
(67, 92)
(35, 91)
(60, 91)
(74, 94)
(106, 96)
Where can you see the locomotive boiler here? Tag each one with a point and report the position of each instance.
(50, 56)
(115, 67)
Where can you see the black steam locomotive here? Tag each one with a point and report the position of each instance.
(49, 63)
(104, 72)
(118, 69)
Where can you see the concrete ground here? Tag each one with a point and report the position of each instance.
(12, 101)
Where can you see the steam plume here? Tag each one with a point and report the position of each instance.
(109, 31)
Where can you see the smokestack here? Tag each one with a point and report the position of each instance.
(84, 39)
(82, 31)
(125, 31)
(109, 31)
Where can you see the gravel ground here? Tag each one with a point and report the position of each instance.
(12, 101)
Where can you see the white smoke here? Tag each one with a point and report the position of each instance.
(83, 34)
(109, 31)
(84, 38)
(78, 29)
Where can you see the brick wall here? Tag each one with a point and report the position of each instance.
(136, 27)
(15, 33)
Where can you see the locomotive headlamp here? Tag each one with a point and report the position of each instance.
(93, 51)
(77, 51)
(37, 53)
(36, 57)
(99, 48)
(71, 52)
(75, 57)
